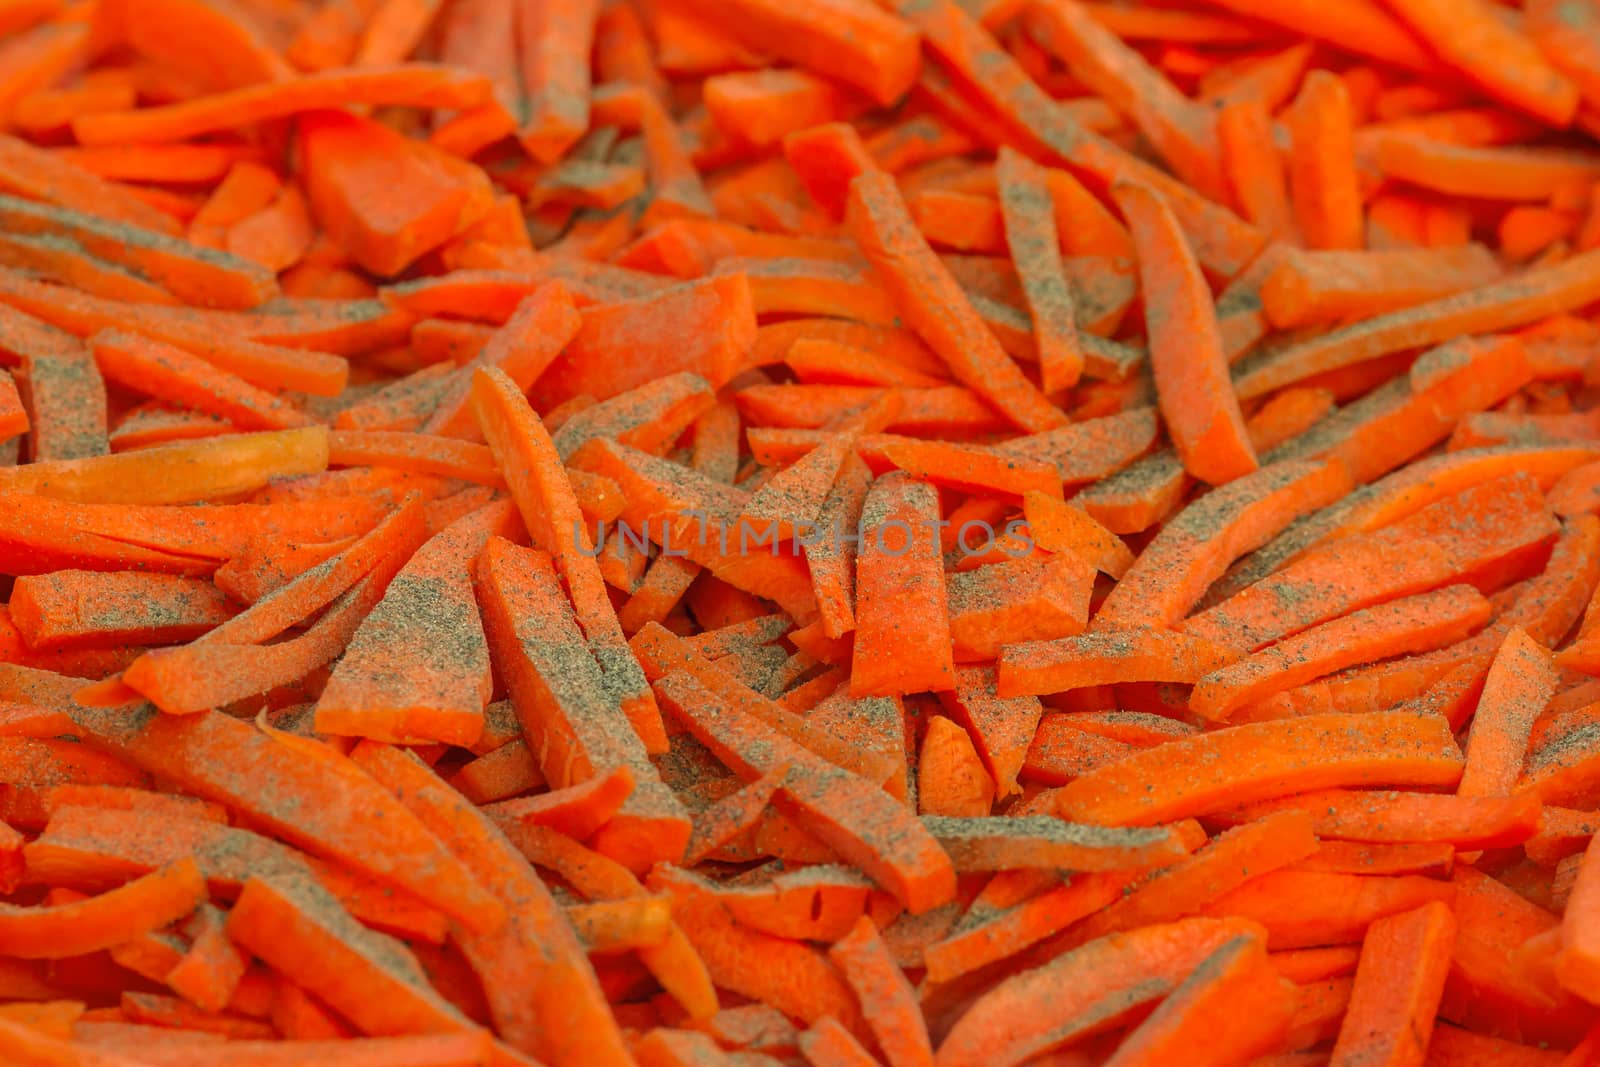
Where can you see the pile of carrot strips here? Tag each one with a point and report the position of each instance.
(723, 533)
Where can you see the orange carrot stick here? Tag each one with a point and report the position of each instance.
(1246, 762)
(1499, 60)
(1404, 962)
(1196, 397)
(1322, 169)
(929, 298)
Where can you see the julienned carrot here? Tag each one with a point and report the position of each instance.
(1041, 1009)
(569, 712)
(624, 285)
(937, 310)
(447, 684)
(249, 770)
(543, 492)
(1199, 772)
(1179, 129)
(82, 608)
(899, 575)
(852, 41)
(1310, 287)
(544, 1027)
(100, 922)
(1322, 166)
(1404, 963)
(1190, 370)
(1498, 305)
(1195, 548)
(885, 841)
(1033, 238)
(1499, 60)
(1413, 624)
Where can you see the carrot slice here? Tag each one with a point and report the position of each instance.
(1261, 760)
(1041, 1009)
(855, 818)
(1196, 399)
(1502, 62)
(502, 957)
(1237, 975)
(932, 302)
(850, 40)
(1413, 624)
(1404, 962)
(1498, 305)
(567, 710)
(1322, 167)
(251, 771)
(1195, 548)
(143, 905)
(442, 694)
(299, 929)
(900, 575)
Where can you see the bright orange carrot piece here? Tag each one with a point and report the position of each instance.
(1238, 980)
(543, 492)
(935, 306)
(1191, 374)
(537, 945)
(388, 214)
(67, 609)
(1399, 980)
(1195, 548)
(1259, 761)
(1501, 61)
(851, 40)
(900, 575)
(569, 714)
(228, 761)
(96, 923)
(857, 819)
(1414, 624)
(441, 694)
(1044, 1008)
(1322, 166)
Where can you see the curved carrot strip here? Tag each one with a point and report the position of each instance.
(1498, 59)
(1263, 760)
(929, 298)
(1039, 1010)
(1186, 356)
(141, 906)
(1194, 549)
(1413, 624)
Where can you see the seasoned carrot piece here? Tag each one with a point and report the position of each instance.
(936, 308)
(1043, 1008)
(385, 214)
(899, 578)
(1404, 963)
(1199, 774)
(572, 718)
(1322, 166)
